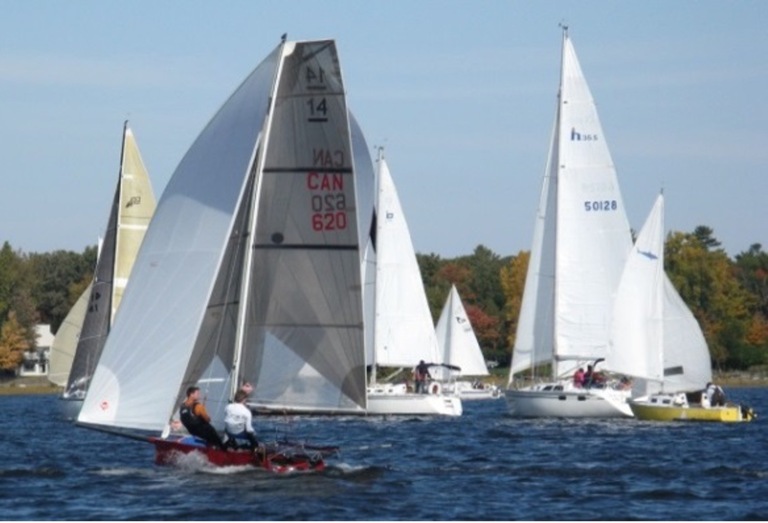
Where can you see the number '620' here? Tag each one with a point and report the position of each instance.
(601, 205)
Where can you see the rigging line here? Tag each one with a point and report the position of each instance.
(307, 246)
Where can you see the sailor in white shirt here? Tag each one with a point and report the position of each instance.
(238, 422)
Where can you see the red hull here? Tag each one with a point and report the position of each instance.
(274, 458)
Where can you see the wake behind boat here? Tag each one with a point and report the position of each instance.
(580, 242)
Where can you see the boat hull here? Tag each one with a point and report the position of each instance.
(69, 407)
(648, 411)
(409, 403)
(467, 392)
(547, 402)
(278, 458)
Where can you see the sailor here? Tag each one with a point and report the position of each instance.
(705, 400)
(238, 422)
(420, 375)
(715, 394)
(196, 420)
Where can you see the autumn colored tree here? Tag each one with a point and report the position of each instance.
(706, 282)
(513, 282)
(486, 329)
(13, 343)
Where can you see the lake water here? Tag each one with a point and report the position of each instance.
(483, 465)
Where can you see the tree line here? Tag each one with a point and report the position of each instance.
(729, 297)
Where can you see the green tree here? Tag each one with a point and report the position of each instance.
(57, 276)
(705, 280)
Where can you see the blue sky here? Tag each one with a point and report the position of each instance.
(462, 94)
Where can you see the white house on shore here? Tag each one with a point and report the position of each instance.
(35, 362)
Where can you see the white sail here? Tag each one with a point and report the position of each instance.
(457, 340)
(581, 238)
(137, 206)
(251, 262)
(404, 330)
(654, 335)
(65, 342)
(133, 205)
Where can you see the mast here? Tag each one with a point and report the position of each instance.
(119, 223)
(558, 146)
(261, 143)
(379, 160)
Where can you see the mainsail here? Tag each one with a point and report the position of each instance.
(581, 238)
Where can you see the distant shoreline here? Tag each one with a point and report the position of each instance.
(41, 385)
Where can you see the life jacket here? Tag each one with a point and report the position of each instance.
(188, 416)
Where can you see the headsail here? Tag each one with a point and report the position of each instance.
(404, 329)
(252, 261)
(654, 335)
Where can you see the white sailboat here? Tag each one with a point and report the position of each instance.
(87, 325)
(403, 329)
(459, 348)
(656, 339)
(580, 243)
(250, 270)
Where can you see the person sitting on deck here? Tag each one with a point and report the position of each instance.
(196, 420)
(715, 394)
(238, 422)
(578, 378)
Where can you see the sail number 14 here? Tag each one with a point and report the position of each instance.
(601, 205)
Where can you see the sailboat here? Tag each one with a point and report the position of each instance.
(132, 208)
(580, 243)
(459, 348)
(403, 329)
(656, 339)
(249, 272)
(65, 342)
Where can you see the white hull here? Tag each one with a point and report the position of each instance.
(384, 399)
(409, 403)
(543, 401)
(465, 391)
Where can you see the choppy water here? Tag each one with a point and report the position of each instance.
(483, 465)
